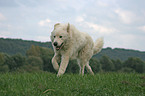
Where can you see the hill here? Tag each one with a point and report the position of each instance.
(122, 54)
(13, 46)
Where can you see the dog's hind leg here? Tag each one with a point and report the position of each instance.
(82, 66)
(79, 66)
(89, 69)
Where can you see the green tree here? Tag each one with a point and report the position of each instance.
(45, 54)
(107, 64)
(33, 51)
(33, 64)
(35, 61)
(11, 63)
(135, 63)
(19, 59)
(1, 59)
(95, 65)
(117, 64)
(14, 62)
(127, 70)
(3, 66)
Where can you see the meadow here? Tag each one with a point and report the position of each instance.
(48, 84)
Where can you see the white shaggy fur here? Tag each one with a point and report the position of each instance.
(69, 43)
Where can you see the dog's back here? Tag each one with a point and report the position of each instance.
(78, 41)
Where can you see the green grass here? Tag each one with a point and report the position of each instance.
(47, 84)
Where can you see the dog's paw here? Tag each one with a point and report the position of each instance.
(59, 75)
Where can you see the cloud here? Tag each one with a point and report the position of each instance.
(102, 3)
(8, 3)
(6, 26)
(2, 17)
(126, 16)
(79, 19)
(44, 22)
(121, 40)
(101, 29)
(142, 28)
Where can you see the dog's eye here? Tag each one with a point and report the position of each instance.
(60, 36)
(54, 36)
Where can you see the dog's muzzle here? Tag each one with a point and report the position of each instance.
(58, 47)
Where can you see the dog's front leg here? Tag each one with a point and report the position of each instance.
(54, 62)
(63, 65)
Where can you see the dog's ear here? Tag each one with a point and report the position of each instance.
(68, 28)
(56, 25)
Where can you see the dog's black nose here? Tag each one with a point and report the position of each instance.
(55, 43)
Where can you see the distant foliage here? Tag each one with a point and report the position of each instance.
(33, 63)
(135, 63)
(107, 64)
(15, 62)
(38, 58)
(3, 67)
(14, 46)
(117, 64)
(95, 65)
(45, 54)
(127, 70)
(122, 54)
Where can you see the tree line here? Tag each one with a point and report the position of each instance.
(14, 46)
(38, 59)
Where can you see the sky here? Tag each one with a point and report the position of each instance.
(120, 22)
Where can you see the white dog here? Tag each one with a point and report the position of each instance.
(69, 43)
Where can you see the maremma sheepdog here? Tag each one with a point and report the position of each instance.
(69, 43)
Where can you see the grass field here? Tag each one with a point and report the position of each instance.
(47, 84)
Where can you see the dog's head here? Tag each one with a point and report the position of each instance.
(60, 35)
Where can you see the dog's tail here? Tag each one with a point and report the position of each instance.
(98, 45)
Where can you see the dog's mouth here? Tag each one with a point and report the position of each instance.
(59, 47)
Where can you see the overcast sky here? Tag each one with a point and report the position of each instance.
(120, 22)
